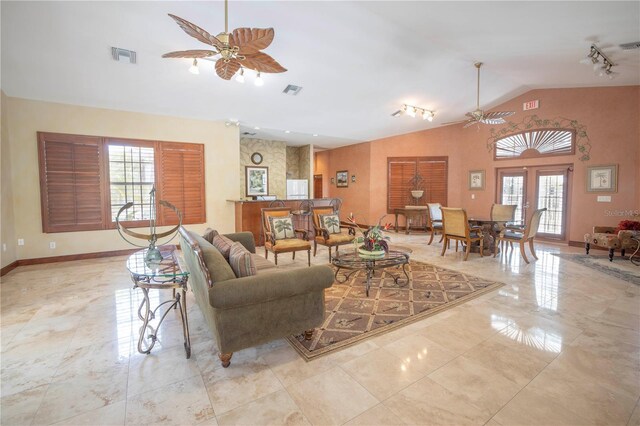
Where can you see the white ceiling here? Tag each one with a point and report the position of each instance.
(357, 61)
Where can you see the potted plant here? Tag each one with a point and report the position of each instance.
(372, 243)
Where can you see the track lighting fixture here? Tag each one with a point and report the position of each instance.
(413, 111)
(601, 63)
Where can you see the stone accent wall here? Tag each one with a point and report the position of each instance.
(274, 154)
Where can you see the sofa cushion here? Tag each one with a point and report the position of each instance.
(241, 261)
(209, 234)
(218, 267)
(262, 264)
(223, 244)
(282, 227)
(330, 223)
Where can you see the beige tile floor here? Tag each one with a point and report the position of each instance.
(558, 344)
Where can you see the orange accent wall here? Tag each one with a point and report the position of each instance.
(612, 119)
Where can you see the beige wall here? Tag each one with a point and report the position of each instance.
(274, 154)
(25, 117)
(7, 223)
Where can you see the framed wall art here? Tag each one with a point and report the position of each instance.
(342, 179)
(257, 180)
(476, 179)
(602, 178)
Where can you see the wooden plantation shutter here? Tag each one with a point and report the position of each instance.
(181, 182)
(401, 171)
(71, 182)
(434, 179)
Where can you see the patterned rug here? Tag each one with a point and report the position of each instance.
(620, 268)
(351, 316)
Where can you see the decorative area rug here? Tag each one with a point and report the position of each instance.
(620, 268)
(351, 316)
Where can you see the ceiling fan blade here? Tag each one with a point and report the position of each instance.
(470, 123)
(251, 40)
(226, 70)
(196, 32)
(454, 122)
(499, 114)
(190, 54)
(493, 120)
(262, 62)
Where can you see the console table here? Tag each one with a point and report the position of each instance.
(165, 275)
(412, 214)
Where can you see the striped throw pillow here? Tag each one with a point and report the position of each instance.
(223, 244)
(241, 261)
(209, 234)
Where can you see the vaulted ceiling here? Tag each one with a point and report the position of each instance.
(357, 61)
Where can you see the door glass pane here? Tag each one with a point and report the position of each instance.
(551, 196)
(513, 193)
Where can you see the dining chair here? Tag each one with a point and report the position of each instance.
(276, 221)
(456, 226)
(503, 214)
(328, 230)
(434, 220)
(521, 236)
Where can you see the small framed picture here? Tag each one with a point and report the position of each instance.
(257, 180)
(476, 179)
(342, 179)
(602, 178)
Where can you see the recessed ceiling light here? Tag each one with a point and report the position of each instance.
(287, 131)
(315, 134)
(256, 128)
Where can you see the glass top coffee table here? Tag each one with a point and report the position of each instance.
(357, 262)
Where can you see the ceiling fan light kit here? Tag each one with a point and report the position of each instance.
(239, 49)
(413, 111)
(602, 65)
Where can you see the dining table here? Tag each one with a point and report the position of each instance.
(490, 230)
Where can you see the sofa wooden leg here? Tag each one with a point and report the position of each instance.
(611, 255)
(308, 334)
(587, 247)
(225, 359)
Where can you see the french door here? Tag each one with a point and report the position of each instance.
(537, 187)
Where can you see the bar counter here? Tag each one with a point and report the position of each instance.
(248, 214)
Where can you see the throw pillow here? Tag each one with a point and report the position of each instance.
(282, 227)
(241, 261)
(330, 222)
(209, 234)
(628, 225)
(223, 244)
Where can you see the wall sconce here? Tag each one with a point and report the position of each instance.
(413, 111)
(333, 181)
(601, 69)
(353, 178)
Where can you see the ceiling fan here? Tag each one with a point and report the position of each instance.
(239, 49)
(479, 116)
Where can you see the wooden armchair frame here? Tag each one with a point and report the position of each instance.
(456, 226)
(434, 220)
(322, 237)
(291, 245)
(521, 236)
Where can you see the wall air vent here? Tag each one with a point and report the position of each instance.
(249, 133)
(123, 55)
(292, 90)
(630, 46)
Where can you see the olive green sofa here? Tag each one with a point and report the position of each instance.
(248, 311)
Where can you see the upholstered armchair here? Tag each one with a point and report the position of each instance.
(280, 236)
(605, 237)
(456, 226)
(521, 236)
(328, 230)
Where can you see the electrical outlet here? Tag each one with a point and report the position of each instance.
(52, 245)
(473, 196)
(20, 241)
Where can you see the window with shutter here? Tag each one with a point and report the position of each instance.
(71, 182)
(182, 182)
(85, 180)
(408, 173)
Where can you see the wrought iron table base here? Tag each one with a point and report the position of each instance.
(370, 270)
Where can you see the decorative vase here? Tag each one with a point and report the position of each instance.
(370, 253)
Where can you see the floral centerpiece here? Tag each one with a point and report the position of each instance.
(372, 242)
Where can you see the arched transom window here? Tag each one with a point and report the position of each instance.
(534, 143)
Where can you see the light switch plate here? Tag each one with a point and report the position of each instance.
(604, 198)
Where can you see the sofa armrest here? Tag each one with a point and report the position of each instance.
(244, 238)
(272, 286)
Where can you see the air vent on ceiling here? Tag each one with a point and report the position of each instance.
(123, 55)
(292, 90)
(630, 46)
(249, 133)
